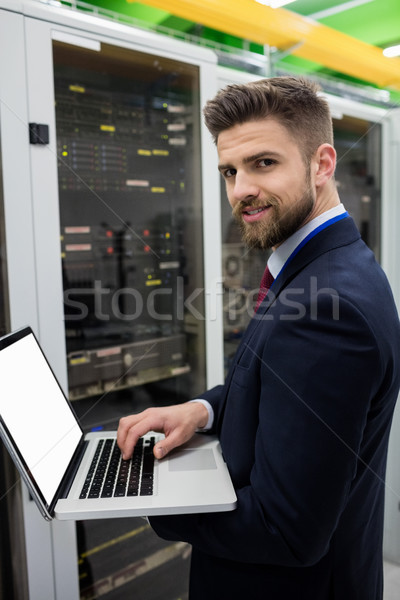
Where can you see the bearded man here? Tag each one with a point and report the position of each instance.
(305, 412)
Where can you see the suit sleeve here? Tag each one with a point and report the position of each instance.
(316, 380)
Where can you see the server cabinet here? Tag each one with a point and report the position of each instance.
(358, 132)
(128, 148)
(367, 140)
(13, 581)
(390, 261)
(112, 228)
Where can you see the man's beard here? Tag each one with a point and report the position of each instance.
(279, 226)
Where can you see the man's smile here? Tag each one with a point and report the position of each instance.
(254, 214)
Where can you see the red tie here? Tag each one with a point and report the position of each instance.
(266, 282)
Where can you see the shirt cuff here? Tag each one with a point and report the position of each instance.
(210, 411)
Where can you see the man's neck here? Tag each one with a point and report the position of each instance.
(279, 257)
(326, 198)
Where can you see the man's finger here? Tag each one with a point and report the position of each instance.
(176, 438)
(160, 450)
(129, 434)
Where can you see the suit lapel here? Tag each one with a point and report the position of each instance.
(338, 234)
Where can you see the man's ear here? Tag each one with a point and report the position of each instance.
(324, 163)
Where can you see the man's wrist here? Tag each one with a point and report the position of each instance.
(209, 418)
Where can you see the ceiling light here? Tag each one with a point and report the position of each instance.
(392, 51)
(274, 3)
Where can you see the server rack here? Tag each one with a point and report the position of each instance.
(358, 133)
(112, 233)
(130, 211)
(368, 147)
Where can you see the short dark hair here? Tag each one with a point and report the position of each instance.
(292, 101)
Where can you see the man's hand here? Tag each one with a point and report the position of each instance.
(178, 422)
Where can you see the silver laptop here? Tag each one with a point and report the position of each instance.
(75, 476)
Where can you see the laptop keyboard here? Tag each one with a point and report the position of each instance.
(110, 476)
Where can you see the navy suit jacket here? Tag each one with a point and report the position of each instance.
(304, 419)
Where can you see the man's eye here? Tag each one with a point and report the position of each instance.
(266, 162)
(229, 173)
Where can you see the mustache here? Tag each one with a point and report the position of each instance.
(252, 205)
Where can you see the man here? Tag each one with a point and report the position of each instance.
(305, 413)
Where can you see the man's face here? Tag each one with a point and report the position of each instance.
(267, 183)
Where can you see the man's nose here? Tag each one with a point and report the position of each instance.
(245, 188)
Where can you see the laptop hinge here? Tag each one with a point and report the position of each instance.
(72, 470)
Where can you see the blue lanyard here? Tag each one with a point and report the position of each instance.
(311, 235)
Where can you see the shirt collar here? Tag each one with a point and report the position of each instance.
(279, 257)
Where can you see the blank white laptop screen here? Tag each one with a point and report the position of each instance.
(47, 451)
(47, 444)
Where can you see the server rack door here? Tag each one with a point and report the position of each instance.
(131, 236)
(13, 572)
(358, 141)
(122, 272)
(131, 221)
(390, 261)
(367, 140)
(20, 254)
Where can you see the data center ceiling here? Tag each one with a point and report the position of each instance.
(374, 22)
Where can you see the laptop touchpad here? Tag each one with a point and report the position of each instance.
(191, 460)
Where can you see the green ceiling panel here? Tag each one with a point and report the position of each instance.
(376, 22)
